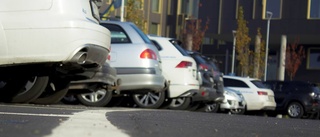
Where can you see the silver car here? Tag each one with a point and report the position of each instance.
(137, 63)
(233, 103)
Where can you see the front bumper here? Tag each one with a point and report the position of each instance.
(313, 107)
(233, 104)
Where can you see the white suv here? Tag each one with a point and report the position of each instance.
(257, 96)
(48, 42)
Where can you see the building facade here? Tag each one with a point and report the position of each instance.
(295, 19)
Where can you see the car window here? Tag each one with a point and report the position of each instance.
(258, 83)
(213, 65)
(157, 45)
(234, 83)
(143, 36)
(178, 47)
(118, 35)
(199, 59)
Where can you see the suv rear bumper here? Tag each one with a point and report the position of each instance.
(208, 94)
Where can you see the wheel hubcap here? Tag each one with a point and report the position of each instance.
(94, 96)
(148, 99)
(294, 110)
(210, 107)
(177, 102)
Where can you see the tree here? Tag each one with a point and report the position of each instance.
(135, 15)
(257, 64)
(294, 56)
(242, 42)
(193, 34)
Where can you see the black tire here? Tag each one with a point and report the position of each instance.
(181, 103)
(237, 111)
(99, 98)
(295, 110)
(194, 106)
(33, 88)
(211, 108)
(23, 90)
(70, 99)
(55, 90)
(150, 100)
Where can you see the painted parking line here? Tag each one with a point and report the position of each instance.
(33, 114)
(88, 123)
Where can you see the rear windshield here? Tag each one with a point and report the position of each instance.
(143, 36)
(258, 84)
(199, 59)
(118, 35)
(177, 46)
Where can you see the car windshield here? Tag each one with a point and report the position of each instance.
(258, 83)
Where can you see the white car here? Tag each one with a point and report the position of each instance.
(48, 42)
(257, 96)
(233, 102)
(180, 70)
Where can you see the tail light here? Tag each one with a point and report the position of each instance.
(262, 93)
(203, 67)
(184, 64)
(148, 54)
(109, 56)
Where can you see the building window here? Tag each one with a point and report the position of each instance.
(274, 6)
(155, 6)
(313, 9)
(313, 58)
(154, 28)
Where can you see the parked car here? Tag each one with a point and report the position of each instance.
(209, 76)
(137, 63)
(255, 93)
(295, 98)
(233, 103)
(180, 70)
(43, 49)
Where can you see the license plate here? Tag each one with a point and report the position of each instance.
(271, 98)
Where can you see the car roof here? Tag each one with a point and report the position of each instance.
(115, 22)
(240, 78)
(160, 37)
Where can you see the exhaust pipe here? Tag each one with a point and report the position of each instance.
(80, 57)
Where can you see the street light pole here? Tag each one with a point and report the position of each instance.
(269, 16)
(233, 51)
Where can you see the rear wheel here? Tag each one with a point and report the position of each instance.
(23, 90)
(181, 103)
(295, 110)
(237, 111)
(149, 100)
(99, 98)
(55, 90)
(212, 107)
